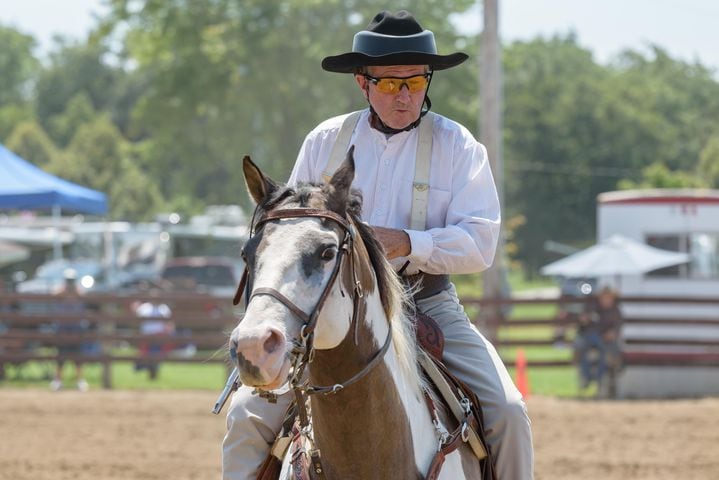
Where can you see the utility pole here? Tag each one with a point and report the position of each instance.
(490, 131)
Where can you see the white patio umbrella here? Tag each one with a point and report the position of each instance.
(616, 256)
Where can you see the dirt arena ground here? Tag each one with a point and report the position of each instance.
(122, 435)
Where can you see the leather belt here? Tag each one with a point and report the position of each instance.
(429, 284)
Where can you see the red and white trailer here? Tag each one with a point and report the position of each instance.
(670, 343)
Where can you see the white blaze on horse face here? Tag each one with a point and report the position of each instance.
(288, 260)
(334, 320)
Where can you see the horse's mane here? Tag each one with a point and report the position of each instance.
(396, 302)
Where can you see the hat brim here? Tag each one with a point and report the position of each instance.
(349, 62)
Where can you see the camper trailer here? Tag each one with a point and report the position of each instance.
(677, 220)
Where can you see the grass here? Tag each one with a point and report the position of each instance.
(471, 285)
(171, 376)
(552, 381)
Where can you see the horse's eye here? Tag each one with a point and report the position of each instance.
(328, 253)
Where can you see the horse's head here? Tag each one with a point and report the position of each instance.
(304, 261)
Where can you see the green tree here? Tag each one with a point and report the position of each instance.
(29, 141)
(575, 128)
(94, 155)
(134, 196)
(13, 114)
(551, 92)
(17, 66)
(678, 101)
(77, 75)
(658, 175)
(78, 111)
(231, 78)
(708, 167)
(196, 85)
(100, 158)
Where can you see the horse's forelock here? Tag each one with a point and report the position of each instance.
(343, 204)
(311, 195)
(304, 195)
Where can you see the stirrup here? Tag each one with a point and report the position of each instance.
(459, 405)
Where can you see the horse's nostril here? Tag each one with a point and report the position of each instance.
(273, 341)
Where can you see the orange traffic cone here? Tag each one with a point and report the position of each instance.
(522, 380)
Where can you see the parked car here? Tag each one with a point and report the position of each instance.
(217, 276)
(50, 276)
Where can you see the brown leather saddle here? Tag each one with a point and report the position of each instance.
(429, 335)
(453, 392)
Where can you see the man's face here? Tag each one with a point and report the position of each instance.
(397, 110)
(606, 299)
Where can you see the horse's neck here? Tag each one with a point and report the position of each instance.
(363, 431)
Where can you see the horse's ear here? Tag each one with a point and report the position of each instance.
(340, 184)
(259, 186)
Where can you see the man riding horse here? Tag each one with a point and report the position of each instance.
(430, 198)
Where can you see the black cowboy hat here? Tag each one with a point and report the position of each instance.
(392, 39)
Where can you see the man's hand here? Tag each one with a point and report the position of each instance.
(395, 242)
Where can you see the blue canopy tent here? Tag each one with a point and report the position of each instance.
(24, 186)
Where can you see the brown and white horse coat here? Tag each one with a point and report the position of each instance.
(378, 427)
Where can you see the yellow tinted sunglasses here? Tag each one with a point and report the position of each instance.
(415, 83)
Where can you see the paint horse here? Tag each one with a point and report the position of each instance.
(326, 313)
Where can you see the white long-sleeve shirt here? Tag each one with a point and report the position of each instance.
(463, 215)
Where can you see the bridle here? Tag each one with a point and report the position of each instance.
(303, 348)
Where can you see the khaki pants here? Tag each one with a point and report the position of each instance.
(252, 422)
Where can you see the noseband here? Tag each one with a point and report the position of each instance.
(303, 349)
